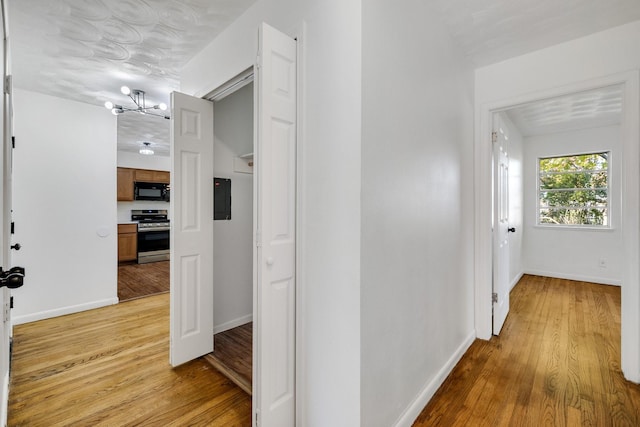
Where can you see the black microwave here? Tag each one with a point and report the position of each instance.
(151, 191)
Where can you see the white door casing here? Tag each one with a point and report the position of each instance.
(275, 237)
(5, 224)
(500, 224)
(191, 285)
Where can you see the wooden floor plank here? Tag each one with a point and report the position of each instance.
(233, 355)
(110, 367)
(142, 280)
(556, 362)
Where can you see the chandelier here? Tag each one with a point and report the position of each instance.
(137, 96)
(146, 149)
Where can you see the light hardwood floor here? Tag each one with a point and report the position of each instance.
(555, 363)
(110, 367)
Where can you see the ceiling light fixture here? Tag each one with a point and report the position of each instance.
(146, 150)
(137, 96)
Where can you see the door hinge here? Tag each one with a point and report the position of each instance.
(257, 419)
(494, 136)
(11, 302)
(258, 60)
(494, 297)
(5, 312)
(13, 142)
(7, 84)
(13, 227)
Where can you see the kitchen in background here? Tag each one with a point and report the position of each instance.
(143, 206)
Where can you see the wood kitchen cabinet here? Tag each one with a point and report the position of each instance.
(145, 175)
(125, 184)
(127, 242)
(127, 176)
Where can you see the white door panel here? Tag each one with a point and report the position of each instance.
(500, 225)
(6, 115)
(192, 228)
(275, 178)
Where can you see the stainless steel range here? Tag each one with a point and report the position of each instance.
(153, 234)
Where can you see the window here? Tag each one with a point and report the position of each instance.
(574, 190)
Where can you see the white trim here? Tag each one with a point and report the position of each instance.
(232, 85)
(4, 412)
(516, 280)
(630, 127)
(410, 414)
(48, 314)
(233, 323)
(576, 277)
(301, 372)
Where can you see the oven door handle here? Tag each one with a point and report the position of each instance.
(147, 230)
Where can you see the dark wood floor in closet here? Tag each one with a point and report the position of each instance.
(142, 280)
(233, 353)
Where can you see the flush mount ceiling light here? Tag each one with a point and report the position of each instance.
(146, 150)
(137, 96)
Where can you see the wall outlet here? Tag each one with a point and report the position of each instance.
(602, 263)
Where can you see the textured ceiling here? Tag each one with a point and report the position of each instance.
(490, 31)
(85, 50)
(134, 129)
(594, 108)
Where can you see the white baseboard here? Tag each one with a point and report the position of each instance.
(516, 280)
(232, 323)
(413, 410)
(5, 400)
(41, 315)
(577, 277)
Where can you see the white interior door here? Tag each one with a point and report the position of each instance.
(6, 115)
(192, 228)
(500, 225)
(274, 260)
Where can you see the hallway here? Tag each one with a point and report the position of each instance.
(556, 362)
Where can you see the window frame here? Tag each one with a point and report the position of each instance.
(608, 208)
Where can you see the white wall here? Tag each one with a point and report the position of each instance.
(604, 58)
(568, 252)
(329, 214)
(516, 195)
(417, 209)
(64, 200)
(233, 241)
(139, 161)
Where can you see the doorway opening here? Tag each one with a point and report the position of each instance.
(563, 196)
(233, 271)
(143, 205)
(627, 206)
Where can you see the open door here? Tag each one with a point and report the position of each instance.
(5, 222)
(191, 287)
(274, 257)
(500, 225)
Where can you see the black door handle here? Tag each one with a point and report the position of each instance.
(13, 278)
(16, 246)
(511, 230)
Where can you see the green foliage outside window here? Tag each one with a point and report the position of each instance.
(573, 190)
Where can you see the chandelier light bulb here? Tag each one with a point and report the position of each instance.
(137, 97)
